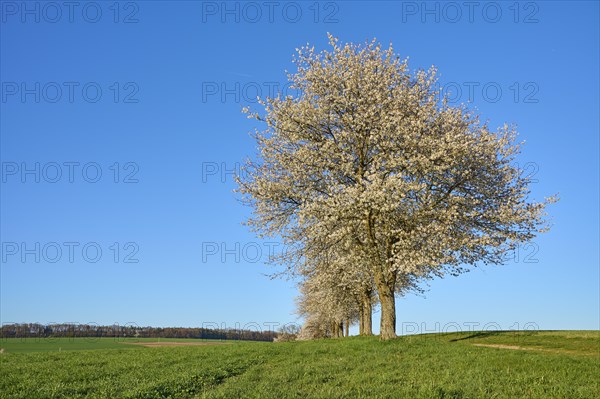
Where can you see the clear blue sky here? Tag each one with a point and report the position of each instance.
(172, 82)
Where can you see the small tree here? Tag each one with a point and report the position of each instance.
(288, 332)
(327, 303)
(369, 150)
(345, 292)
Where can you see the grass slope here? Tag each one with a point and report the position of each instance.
(552, 364)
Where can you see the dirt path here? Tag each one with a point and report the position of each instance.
(524, 348)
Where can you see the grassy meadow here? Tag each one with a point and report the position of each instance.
(541, 364)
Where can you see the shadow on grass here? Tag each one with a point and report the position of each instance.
(485, 334)
(480, 334)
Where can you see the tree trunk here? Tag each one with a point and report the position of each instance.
(361, 318)
(333, 329)
(385, 291)
(347, 330)
(385, 282)
(367, 316)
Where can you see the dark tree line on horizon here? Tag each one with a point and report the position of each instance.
(69, 330)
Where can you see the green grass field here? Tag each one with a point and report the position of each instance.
(23, 345)
(544, 364)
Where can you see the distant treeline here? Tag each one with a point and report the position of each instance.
(66, 330)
